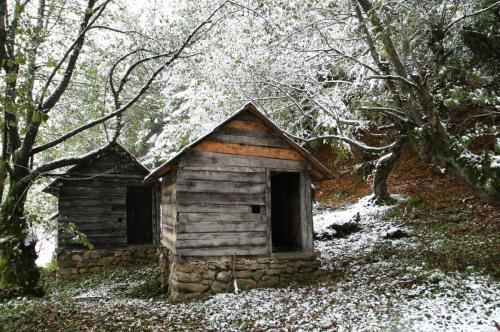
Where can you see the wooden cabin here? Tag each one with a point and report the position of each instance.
(244, 189)
(106, 200)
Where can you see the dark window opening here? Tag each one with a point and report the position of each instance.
(285, 212)
(120, 219)
(255, 208)
(139, 215)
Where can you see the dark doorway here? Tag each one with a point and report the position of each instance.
(285, 212)
(139, 216)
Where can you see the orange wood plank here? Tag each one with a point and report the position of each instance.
(252, 125)
(247, 150)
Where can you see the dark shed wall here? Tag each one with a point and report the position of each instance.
(96, 202)
(222, 188)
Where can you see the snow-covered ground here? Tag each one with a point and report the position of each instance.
(45, 246)
(365, 292)
(373, 229)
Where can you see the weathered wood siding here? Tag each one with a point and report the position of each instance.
(93, 197)
(221, 191)
(168, 210)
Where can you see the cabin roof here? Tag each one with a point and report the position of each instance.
(250, 108)
(52, 187)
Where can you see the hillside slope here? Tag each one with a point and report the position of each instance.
(436, 205)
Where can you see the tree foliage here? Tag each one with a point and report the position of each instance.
(62, 79)
(372, 75)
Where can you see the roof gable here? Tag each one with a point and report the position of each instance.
(114, 160)
(280, 146)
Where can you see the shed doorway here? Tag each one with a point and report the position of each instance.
(139, 215)
(285, 212)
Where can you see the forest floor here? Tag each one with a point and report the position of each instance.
(381, 273)
(430, 262)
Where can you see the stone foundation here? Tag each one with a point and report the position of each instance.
(192, 277)
(74, 262)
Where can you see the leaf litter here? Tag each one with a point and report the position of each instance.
(366, 292)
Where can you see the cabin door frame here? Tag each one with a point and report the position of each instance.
(305, 201)
(139, 204)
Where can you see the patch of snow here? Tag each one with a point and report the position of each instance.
(383, 295)
(362, 302)
(372, 230)
(46, 246)
(495, 161)
(236, 289)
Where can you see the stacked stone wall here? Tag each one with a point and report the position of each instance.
(190, 277)
(75, 262)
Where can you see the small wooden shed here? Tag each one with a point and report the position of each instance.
(243, 190)
(105, 199)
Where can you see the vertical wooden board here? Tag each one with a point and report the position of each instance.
(167, 190)
(268, 212)
(171, 221)
(304, 223)
(170, 245)
(309, 218)
(157, 213)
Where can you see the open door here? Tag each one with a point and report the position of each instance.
(139, 215)
(285, 212)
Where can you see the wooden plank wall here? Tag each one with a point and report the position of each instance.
(168, 210)
(95, 207)
(221, 187)
(96, 203)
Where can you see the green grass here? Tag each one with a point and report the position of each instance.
(59, 308)
(144, 276)
(443, 243)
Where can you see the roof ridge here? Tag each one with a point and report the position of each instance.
(166, 166)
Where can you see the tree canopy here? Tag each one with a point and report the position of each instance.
(358, 74)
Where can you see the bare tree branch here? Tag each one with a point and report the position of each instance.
(350, 141)
(393, 77)
(448, 27)
(62, 162)
(139, 94)
(73, 53)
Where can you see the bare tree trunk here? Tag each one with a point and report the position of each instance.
(19, 273)
(3, 160)
(382, 170)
